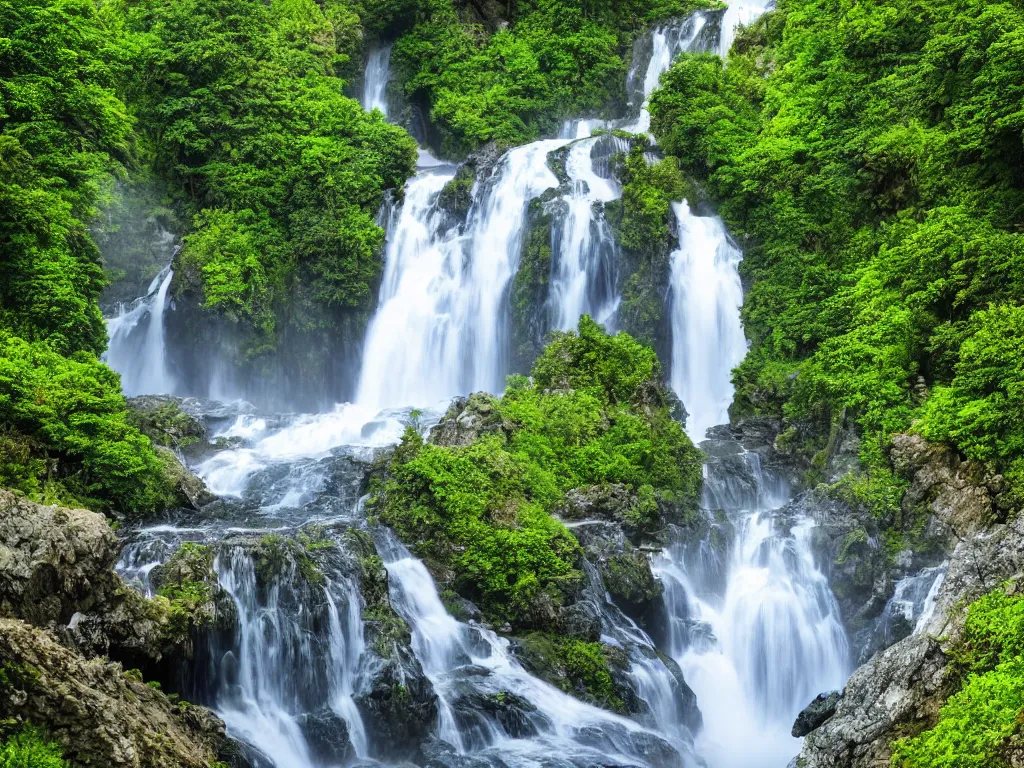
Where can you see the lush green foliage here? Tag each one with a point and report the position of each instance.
(872, 154)
(66, 432)
(64, 136)
(641, 222)
(243, 107)
(30, 749)
(977, 723)
(483, 81)
(594, 413)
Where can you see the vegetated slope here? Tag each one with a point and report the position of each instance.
(508, 72)
(870, 156)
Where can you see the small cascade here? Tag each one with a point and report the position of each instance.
(707, 336)
(468, 664)
(441, 329)
(739, 13)
(907, 611)
(754, 626)
(138, 350)
(584, 259)
(376, 78)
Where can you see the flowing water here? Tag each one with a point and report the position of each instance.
(138, 348)
(751, 630)
(707, 337)
(375, 80)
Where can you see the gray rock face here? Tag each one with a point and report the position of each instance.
(54, 561)
(816, 713)
(904, 684)
(95, 711)
(466, 420)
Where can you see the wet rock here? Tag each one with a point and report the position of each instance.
(476, 712)
(816, 713)
(187, 490)
(457, 195)
(440, 754)
(54, 561)
(327, 736)
(466, 420)
(100, 715)
(904, 686)
(398, 707)
(624, 569)
(164, 421)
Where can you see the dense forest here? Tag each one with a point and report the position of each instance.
(867, 156)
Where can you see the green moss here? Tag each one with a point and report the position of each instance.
(580, 668)
(30, 748)
(529, 295)
(481, 514)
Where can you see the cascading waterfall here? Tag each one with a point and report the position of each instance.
(583, 279)
(466, 662)
(707, 336)
(751, 621)
(375, 80)
(138, 349)
(441, 329)
(754, 625)
(739, 13)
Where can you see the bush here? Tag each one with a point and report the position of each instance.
(29, 749)
(976, 723)
(595, 413)
(71, 432)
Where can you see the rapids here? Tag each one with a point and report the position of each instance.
(752, 632)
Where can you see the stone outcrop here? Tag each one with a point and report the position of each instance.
(467, 419)
(101, 716)
(56, 572)
(901, 689)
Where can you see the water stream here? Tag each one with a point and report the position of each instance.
(752, 631)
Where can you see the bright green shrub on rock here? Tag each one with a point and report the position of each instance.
(979, 722)
(30, 749)
(67, 417)
(480, 514)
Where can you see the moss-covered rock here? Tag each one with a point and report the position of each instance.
(583, 669)
(162, 419)
(386, 632)
(456, 196)
(97, 713)
(195, 600)
(530, 287)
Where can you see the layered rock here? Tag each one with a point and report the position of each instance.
(901, 689)
(100, 715)
(56, 572)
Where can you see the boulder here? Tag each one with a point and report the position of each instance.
(816, 713)
(101, 716)
(54, 561)
(466, 420)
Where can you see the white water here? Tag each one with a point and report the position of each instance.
(739, 13)
(756, 632)
(583, 280)
(465, 661)
(142, 360)
(375, 80)
(442, 326)
(707, 336)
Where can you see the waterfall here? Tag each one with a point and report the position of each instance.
(583, 270)
(739, 13)
(138, 350)
(754, 625)
(466, 663)
(442, 326)
(375, 79)
(707, 336)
